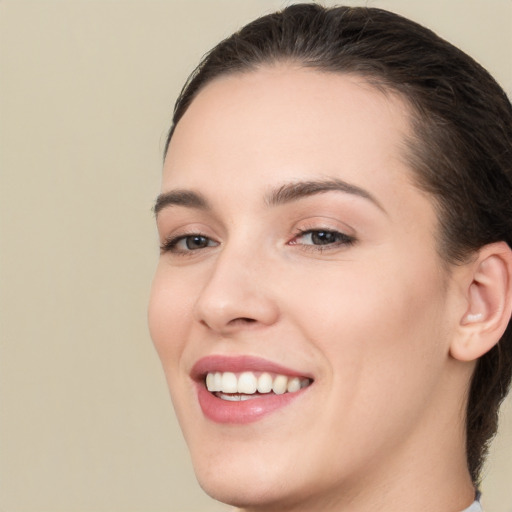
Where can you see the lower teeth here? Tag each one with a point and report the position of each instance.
(236, 397)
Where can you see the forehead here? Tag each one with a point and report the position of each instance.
(283, 109)
(254, 130)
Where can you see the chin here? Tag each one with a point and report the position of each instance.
(240, 492)
(261, 477)
(249, 491)
(246, 481)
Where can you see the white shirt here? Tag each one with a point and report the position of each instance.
(475, 507)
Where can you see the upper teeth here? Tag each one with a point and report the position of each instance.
(248, 383)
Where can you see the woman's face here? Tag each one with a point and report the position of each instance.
(298, 254)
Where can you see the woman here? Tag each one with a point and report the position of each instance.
(334, 288)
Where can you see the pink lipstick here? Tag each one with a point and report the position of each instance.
(243, 389)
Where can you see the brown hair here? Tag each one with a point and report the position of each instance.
(460, 150)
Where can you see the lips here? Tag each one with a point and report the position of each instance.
(244, 389)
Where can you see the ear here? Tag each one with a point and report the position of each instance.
(488, 293)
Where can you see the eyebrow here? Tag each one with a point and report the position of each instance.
(298, 190)
(180, 197)
(286, 193)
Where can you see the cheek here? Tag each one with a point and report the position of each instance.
(169, 315)
(378, 326)
(374, 331)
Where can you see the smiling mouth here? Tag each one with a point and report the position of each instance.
(248, 385)
(240, 389)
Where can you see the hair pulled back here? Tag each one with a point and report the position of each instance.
(460, 149)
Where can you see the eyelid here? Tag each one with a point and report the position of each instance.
(308, 225)
(169, 242)
(343, 239)
(322, 223)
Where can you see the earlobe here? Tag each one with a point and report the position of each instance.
(489, 303)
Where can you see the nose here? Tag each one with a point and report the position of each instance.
(237, 294)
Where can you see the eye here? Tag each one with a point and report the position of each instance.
(187, 243)
(322, 238)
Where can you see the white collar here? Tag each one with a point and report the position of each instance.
(475, 507)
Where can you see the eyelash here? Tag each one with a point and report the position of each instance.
(341, 239)
(171, 244)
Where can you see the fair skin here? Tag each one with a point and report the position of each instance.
(343, 287)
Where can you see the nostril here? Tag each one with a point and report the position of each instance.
(242, 320)
(238, 322)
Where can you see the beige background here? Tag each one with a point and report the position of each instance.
(87, 89)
